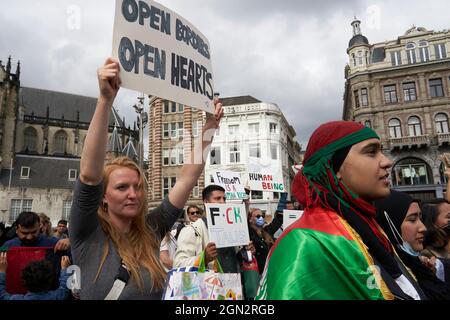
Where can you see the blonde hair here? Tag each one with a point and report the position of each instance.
(140, 246)
(46, 223)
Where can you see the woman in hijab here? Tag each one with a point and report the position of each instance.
(400, 217)
(336, 249)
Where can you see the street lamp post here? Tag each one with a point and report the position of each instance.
(139, 108)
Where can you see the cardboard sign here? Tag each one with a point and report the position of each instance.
(227, 224)
(266, 182)
(289, 216)
(162, 54)
(231, 182)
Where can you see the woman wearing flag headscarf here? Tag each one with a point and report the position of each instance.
(336, 249)
(400, 217)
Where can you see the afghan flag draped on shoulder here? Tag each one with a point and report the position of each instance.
(325, 254)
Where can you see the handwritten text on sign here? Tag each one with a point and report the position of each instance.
(290, 216)
(265, 182)
(231, 182)
(162, 54)
(227, 224)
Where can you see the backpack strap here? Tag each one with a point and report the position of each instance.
(123, 275)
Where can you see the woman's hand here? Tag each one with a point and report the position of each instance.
(109, 80)
(213, 120)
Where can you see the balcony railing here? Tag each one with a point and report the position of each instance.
(443, 138)
(409, 142)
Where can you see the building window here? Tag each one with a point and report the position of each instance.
(173, 157)
(233, 129)
(390, 94)
(166, 157)
(356, 95)
(396, 58)
(30, 137)
(436, 89)
(368, 124)
(441, 120)
(24, 172)
(360, 57)
(423, 50)
(171, 107)
(196, 191)
(442, 174)
(166, 132)
(253, 128)
(364, 97)
(166, 106)
(168, 184)
(274, 151)
(215, 155)
(254, 150)
(411, 53)
(18, 206)
(196, 128)
(273, 128)
(256, 195)
(72, 174)
(60, 142)
(412, 172)
(440, 51)
(235, 154)
(276, 195)
(414, 126)
(395, 128)
(67, 205)
(409, 91)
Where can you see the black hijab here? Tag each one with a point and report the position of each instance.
(396, 206)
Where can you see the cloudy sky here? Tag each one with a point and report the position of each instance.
(290, 52)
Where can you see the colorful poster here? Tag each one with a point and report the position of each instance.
(227, 224)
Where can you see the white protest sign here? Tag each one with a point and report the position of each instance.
(227, 224)
(296, 168)
(289, 216)
(162, 54)
(231, 182)
(266, 182)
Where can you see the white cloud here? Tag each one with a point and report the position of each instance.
(291, 52)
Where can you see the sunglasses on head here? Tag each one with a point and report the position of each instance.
(194, 212)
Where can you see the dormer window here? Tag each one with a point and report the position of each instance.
(360, 58)
(411, 53)
(25, 173)
(72, 174)
(423, 50)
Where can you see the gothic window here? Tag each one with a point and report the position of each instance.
(60, 142)
(30, 137)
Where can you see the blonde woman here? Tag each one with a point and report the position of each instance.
(45, 225)
(109, 222)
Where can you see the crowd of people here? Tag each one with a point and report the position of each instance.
(357, 238)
